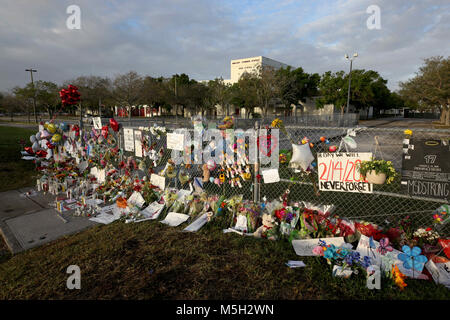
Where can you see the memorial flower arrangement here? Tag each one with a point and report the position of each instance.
(68, 170)
(342, 256)
(424, 236)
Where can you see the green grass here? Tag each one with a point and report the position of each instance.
(14, 172)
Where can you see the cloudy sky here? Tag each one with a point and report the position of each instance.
(200, 37)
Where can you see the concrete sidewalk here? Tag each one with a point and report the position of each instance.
(28, 220)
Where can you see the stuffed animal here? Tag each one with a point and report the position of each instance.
(206, 173)
(268, 229)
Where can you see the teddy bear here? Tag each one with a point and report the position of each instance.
(206, 173)
(268, 229)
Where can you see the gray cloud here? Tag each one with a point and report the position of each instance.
(201, 37)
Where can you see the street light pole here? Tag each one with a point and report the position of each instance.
(31, 70)
(350, 78)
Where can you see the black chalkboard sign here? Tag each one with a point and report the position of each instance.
(426, 168)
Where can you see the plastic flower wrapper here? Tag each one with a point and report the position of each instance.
(196, 205)
(179, 206)
(369, 229)
(322, 210)
(169, 197)
(234, 203)
(213, 200)
(252, 213)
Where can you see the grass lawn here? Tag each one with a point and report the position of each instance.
(149, 260)
(14, 172)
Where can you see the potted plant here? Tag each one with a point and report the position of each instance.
(377, 171)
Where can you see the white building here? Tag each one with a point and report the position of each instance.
(250, 65)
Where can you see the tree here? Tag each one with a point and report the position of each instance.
(154, 92)
(220, 94)
(179, 91)
(244, 92)
(430, 87)
(268, 89)
(332, 90)
(128, 90)
(95, 92)
(47, 96)
(368, 89)
(25, 95)
(11, 104)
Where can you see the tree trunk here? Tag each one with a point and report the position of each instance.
(445, 116)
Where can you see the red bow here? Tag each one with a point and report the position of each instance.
(41, 153)
(76, 128)
(49, 145)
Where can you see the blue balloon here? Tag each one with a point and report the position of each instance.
(327, 141)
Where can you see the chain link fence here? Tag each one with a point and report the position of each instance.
(387, 202)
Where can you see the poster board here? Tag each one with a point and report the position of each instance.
(158, 181)
(338, 172)
(426, 168)
(138, 143)
(175, 141)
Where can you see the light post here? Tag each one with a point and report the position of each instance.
(31, 70)
(350, 77)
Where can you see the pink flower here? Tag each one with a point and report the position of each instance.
(318, 251)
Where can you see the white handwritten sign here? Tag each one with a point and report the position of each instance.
(97, 121)
(136, 199)
(174, 219)
(158, 181)
(440, 272)
(138, 143)
(175, 141)
(338, 172)
(271, 176)
(153, 210)
(128, 138)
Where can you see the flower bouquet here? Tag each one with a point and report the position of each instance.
(377, 171)
(346, 260)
